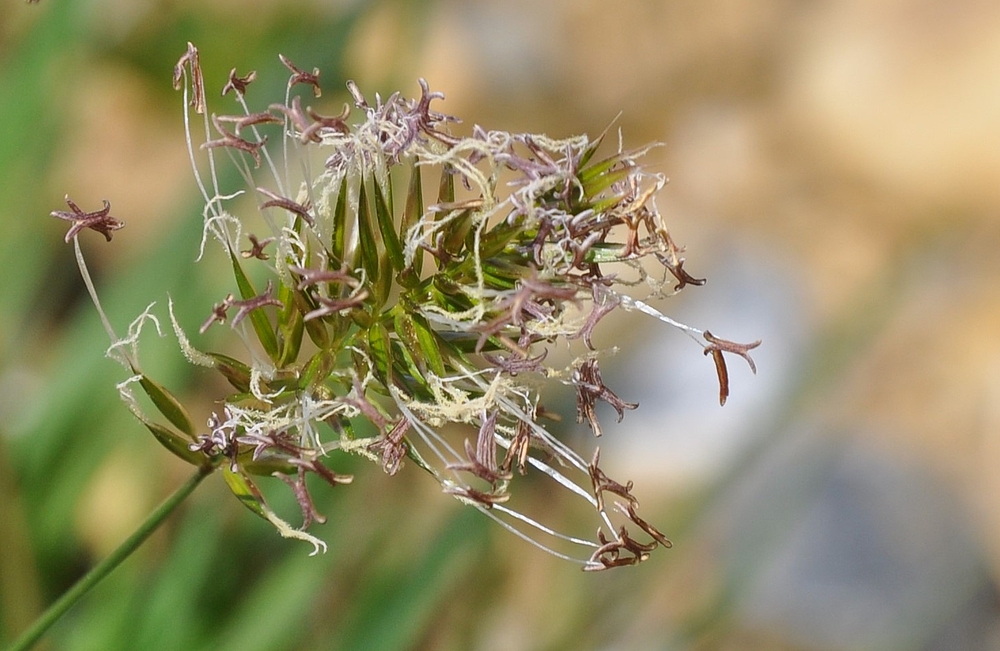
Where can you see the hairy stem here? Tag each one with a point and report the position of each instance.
(102, 569)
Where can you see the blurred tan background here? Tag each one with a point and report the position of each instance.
(835, 174)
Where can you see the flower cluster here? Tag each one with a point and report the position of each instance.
(401, 325)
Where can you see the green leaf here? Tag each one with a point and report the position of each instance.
(383, 282)
(446, 190)
(501, 275)
(597, 169)
(607, 203)
(380, 351)
(315, 328)
(261, 326)
(168, 405)
(366, 238)
(233, 370)
(245, 491)
(457, 230)
(406, 331)
(498, 237)
(290, 325)
(265, 467)
(430, 345)
(339, 243)
(318, 369)
(413, 211)
(591, 149)
(594, 187)
(387, 228)
(176, 443)
(605, 253)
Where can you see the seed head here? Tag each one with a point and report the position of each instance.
(419, 329)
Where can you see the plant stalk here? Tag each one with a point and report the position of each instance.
(102, 569)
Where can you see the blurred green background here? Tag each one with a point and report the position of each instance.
(835, 173)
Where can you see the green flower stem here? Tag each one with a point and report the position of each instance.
(102, 569)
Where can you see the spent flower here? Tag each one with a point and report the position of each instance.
(417, 281)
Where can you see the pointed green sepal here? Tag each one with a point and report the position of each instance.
(429, 344)
(607, 203)
(261, 325)
(405, 329)
(290, 325)
(176, 443)
(318, 369)
(367, 243)
(168, 405)
(599, 168)
(266, 467)
(235, 371)
(446, 190)
(412, 213)
(592, 148)
(338, 246)
(387, 228)
(245, 491)
(381, 352)
(498, 237)
(457, 230)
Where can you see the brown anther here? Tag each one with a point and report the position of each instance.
(230, 139)
(677, 269)
(316, 467)
(241, 121)
(589, 389)
(320, 122)
(190, 59)
(300, 76)
(650, 530)
(238, 84)
(639, 549)
(392, 446)
(716, 347)
(277, 201)
(480, 497)
(483, 459)
(98, 220)
(359, 400)
(256, 302)
(302, 496)
(218, 313)
(336, 305)
(315, 276)
(518, 449)
(604, 303)
(602, 483)
(257, 247)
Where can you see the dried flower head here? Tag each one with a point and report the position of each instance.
(98, 220)
(393, 311)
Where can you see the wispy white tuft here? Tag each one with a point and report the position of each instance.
(192, 354)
